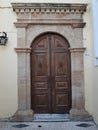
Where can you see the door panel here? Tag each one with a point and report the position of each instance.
(50, 70)
(40, 67)
(40, 72)
(60, 72)
(61, 100)
(60, 64)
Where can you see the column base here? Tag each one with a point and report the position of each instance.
(80, 114)
(23, 115)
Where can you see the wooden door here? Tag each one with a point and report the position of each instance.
(50, 75)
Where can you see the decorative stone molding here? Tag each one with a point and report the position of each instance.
(77, 49)
(78, 25)
(49, 14)
(21, 25)
(49, 8)
(23, 50)
(49, 22)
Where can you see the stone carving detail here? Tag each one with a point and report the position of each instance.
(48, 8)
(65, 14)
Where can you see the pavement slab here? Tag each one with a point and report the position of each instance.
(69, 125)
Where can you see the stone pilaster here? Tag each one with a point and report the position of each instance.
(77, 81)
(24, 111)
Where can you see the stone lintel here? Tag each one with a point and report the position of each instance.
(72, 50)
(49, 8)
(73, 24)
(23, 50)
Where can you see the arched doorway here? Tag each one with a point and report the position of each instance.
(50, 74)
(34, 19)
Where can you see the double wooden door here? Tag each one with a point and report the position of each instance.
(50, 75)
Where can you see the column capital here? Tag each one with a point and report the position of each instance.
(21, 25)
(23, 50)
(72, 50)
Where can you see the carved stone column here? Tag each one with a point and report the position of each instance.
(77, 81)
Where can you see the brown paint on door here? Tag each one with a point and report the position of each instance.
(50, 75)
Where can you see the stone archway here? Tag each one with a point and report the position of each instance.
(34, 19)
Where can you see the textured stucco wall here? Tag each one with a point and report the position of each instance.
(8, 60)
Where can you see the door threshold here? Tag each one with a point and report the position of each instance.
(51, 117)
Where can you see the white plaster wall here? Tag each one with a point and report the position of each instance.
(91, 67)
(8, 64)
(95, 22)
(88, 60)
(94, 40)
(8, 60)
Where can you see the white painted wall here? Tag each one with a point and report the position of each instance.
(95, 61)
(8, 59)
(8, 64)
(88, 60)
(95, 14)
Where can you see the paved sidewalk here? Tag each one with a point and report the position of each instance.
(48, 126)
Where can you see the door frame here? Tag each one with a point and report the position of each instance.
(34, 19)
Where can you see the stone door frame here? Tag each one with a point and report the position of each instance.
(35, 19)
